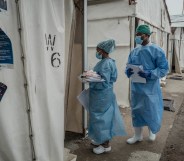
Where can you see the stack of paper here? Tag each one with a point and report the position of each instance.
(90, 76)
(135, 76)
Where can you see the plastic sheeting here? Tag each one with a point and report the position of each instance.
(43, 27)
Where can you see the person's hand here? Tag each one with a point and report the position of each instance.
(129, 72)
(144, 74)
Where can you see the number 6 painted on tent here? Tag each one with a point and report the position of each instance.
(55, 58)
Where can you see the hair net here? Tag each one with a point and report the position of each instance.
(108, 46)
(145, 29)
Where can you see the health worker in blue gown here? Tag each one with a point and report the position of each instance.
(146, 98)
(105, 120)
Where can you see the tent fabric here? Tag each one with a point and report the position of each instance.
(110, 10)
(157, 15)
(43, 27)
(74, 67)
(43, 33)
(70, 23)
(14, 128)
(74, 109)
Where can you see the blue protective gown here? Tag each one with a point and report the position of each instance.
(105, 120)
(146, 99)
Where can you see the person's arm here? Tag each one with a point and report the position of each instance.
(105, 73)
(128, 71)
(162, 66)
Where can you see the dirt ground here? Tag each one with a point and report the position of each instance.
(168, 144)
(174, 148)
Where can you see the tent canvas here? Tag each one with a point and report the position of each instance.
(32, 109)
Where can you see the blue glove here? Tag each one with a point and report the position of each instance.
(129, 72)
(144, 74)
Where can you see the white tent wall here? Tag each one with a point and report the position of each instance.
(154, 12)
(119, 8)
(115, 23)
(158, 19)
(43, 30)
(14, 129)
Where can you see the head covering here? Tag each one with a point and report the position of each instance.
(108, 46)
(145, 29)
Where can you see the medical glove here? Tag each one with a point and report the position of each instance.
(129, 72)
(144, 74)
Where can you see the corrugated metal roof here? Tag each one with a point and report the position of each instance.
(177, 21)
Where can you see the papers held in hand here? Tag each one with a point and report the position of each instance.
(90, 76)
(135, 76)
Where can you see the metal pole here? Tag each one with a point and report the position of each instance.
(85, 59)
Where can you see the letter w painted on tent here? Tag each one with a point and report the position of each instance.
(50, 41)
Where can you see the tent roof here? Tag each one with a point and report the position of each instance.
(177, 21)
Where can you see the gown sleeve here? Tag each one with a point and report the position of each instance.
(106, 73)
(162, 67)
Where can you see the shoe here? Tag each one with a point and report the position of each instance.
(137, 136)
(152, 136)
(100, 149)
(94, 143)
(134, 139)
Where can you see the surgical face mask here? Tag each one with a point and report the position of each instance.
(98, 55)
(138, 40)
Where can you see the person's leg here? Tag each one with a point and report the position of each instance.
(152, 136)
(103, 148)
(137, 136)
